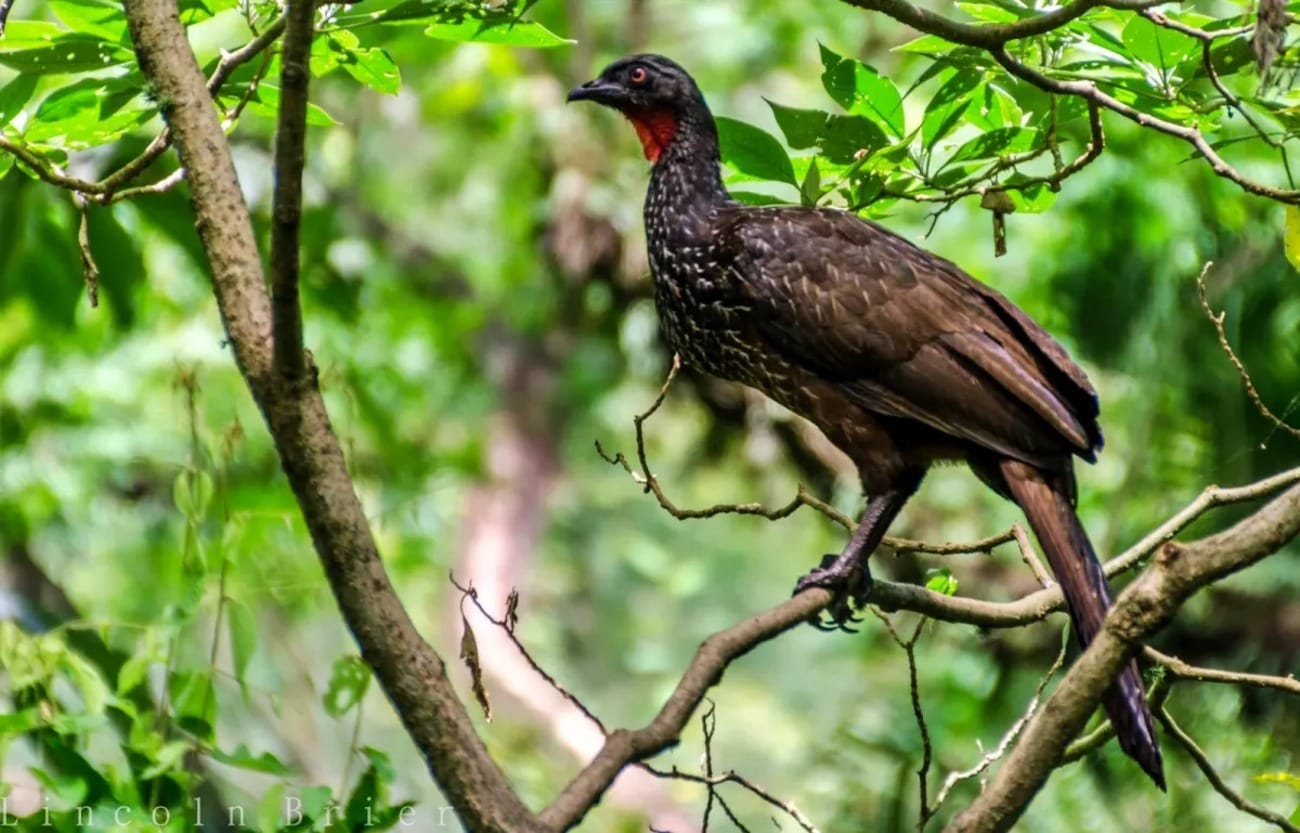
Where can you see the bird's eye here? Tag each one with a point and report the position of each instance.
(638, 75)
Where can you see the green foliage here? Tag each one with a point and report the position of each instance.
(444, 176)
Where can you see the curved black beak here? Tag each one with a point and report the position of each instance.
(599, 91)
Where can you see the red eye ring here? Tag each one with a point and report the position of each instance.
(638, 75)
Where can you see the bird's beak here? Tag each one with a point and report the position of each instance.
(597, 90)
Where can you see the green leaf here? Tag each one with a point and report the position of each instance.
(801, 128)
(192, 493)
(1032, 199)
(91, 686)
(6, 164)
(753, 198)
(995, 143)
(509, 32)
(243, 636)
(132, 673)
(266, 102)
(68, 54)
(195, 702)
(1160, 47)
(243, 758)
(941, 581)
(375, 69)
(269, 809)
(14, 96)
(1291, 236)
(858, 88)
(347, 686)
(846, 137)
(100, 18)
(944, 112)
(754, 151)
(90, 112)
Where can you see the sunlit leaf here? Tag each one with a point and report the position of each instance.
(374, 68)
(1291, 236)
(101, 18)
(508, 32)
(944, 112)
(14, 96)
(996, 143)
(348, 683)
(801, 128)
(67, 54)
(243, 758)
(754, 151)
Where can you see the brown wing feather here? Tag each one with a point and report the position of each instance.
(908, 334)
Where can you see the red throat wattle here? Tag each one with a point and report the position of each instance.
(655, 129)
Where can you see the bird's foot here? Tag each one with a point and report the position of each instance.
(850, 585)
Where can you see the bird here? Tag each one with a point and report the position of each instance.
(897, 355)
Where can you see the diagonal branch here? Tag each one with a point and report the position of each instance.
(411, 673)
(1178, 571)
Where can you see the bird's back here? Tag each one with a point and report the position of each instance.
(758, 294)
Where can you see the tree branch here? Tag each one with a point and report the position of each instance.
(989, 35)
(1089, 91)
(412, 674)
(1178, 571)
(286, 204)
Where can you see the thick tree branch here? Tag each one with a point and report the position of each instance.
(990, 35)
(411, 674)
(1178, 571)
(286, 204)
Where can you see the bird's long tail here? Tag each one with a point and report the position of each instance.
(1048, 507)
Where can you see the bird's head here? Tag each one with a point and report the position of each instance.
(655, 94)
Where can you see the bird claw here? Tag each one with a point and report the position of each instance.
(850, 588)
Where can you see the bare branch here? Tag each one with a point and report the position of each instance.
(1212, 775)
(1183, 671)
(1217, 320)
(990, 35)
(286, 204)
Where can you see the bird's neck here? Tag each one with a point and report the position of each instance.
(686, 182)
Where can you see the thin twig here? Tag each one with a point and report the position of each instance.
(1217, 320)
(506, 625)
(89, 268)
(1030, 556)
(1184, 671)
(1234, 798)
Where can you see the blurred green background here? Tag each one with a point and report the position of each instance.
(476, 296)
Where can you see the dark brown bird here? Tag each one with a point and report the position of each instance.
(898, 356)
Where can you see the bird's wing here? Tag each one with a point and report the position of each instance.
(906, 333)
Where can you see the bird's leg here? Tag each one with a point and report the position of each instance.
(847, 574)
